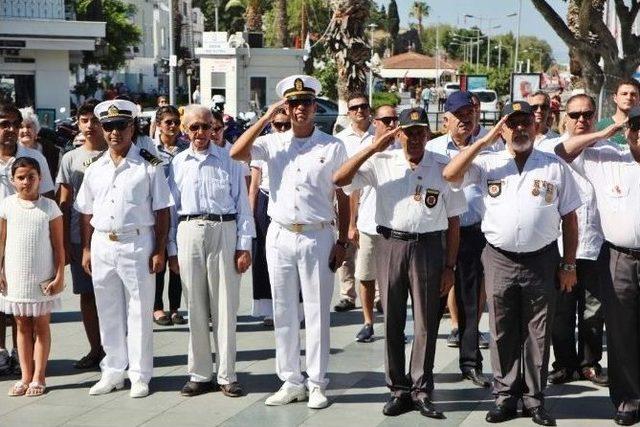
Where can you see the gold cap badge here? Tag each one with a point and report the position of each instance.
(113, 111)
(415, 115)
(517, 107)
(298, 84)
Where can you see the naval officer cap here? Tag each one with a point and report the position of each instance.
(115, 110)
(516, 107)
(299, 86)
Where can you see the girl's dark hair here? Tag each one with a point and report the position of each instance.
(167, 110)
(25, 162)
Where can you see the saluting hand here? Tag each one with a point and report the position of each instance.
(493, 134)
(447, 280)
(567, 279)
(382, 142)
(243, 261)
(612, 129)
(271, 111)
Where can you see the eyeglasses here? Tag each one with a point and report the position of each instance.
(281, 125)
(293, 103)
(388, 120)
(6, 124)
(195, 127)
(359, 107)
(171, 122)
(542, 107)
(575, 115)
(119, 125)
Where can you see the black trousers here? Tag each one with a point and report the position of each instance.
(175, 290)
(260, 273)
(584, 302)
(469, 273)
(621, 300)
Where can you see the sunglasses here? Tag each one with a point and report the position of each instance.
(359, 107)
(388, 120)
(119, 125)
(171, 122)
(512, 124)
(575, 115)
(6, 124)
(293, 103)
(195, 127)
(542, 107)
(281, 125)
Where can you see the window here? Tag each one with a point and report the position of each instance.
(219, 84)
(258, 91)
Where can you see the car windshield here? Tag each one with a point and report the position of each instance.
(486, 96)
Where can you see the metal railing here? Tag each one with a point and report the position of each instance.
(32, 9)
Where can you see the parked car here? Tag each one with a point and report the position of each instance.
(449, 88)
(488, 105)
(326, 115)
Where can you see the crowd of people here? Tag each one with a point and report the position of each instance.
(538, 225)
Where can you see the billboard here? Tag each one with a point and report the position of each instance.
(523, 85)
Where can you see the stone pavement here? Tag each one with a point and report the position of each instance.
(356, 392)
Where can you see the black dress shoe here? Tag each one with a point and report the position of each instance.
(500, 414)
(397, 406)
(476, 377)
(193, 388)
(344, 305)
(540, 416)
(426, 408)
(626, 418)
(561, 376)
(232, 390)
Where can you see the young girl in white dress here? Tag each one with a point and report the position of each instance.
(32, 271)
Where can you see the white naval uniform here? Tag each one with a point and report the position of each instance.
(302, 192)
(122, 199)
(210, 183)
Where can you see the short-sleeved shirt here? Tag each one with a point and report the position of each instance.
(615, 176)
(618, 138)
(301, 175)
(264, 174)
(123, 198)
(71, 172)
(523, 210)
(7, 188)
(413, 201)
(590, 236)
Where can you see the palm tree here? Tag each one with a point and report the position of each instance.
(282, 32)
(253, 10)
(419, 10)
(346, 40)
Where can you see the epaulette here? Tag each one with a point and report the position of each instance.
(87, 162)
(155, 161)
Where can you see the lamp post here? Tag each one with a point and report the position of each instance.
(489, 45)
(216, 5)
(172, 59)
(515, 58)
(372, 28)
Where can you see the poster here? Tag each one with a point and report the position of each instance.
(523, 85)
(477, 82)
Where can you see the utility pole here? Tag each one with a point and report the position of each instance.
(172, 58)
(500, 54)
(437, 56)
(515, 58)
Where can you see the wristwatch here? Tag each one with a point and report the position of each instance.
(345, 245)
(450, 267)
(567, 267)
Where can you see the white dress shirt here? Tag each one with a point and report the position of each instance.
(301, 175)
(523, 210)
(7, 188)
(615, 176)
(445, 146)
(590, 236)
(264, 174)
(210, 182)
(353, 141)
(123, 198)
(413, 201)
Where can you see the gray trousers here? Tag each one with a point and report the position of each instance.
(410, 268)
(521, 294)
(621, 300)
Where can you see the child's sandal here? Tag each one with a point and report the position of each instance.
(35, 389)
(18, 389)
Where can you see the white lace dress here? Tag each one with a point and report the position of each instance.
(28, 262)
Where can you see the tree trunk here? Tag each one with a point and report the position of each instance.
(282, 31)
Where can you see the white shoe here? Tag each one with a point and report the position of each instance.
(103, 387)
(286, 395)
(317, 399)
(139, 389)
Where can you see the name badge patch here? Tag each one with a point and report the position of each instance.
(431, 197)
(494, 187)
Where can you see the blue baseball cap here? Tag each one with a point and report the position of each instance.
(458, 100)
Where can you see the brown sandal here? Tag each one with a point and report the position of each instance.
(35, 389)
(18, 389)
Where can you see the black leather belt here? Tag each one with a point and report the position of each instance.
(521, 255)
(210, 217)
(633, 253)
(388, 233)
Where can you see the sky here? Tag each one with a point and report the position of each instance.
(453, 11)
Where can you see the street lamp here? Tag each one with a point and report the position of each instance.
(515, 58)
(216, 5)
(372, 27)
(172, 58)
(489, 44)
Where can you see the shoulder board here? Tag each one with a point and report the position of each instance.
(155, 161)
(87, 162)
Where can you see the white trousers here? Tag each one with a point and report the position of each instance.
(300, 262)
(124, 291)
(211, 282)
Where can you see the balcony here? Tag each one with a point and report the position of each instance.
(32, 9)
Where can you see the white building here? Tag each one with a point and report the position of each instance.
(245, 76)
(37, 45)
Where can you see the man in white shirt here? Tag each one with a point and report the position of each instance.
(541, 107)
(124, 201)
(302, 253)
(415, 208)
(211, 232)
(614, 174)
(585, 300)
(355, 136)
(528, 194)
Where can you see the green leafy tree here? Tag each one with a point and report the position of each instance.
(419, 10)
(319, 16)
(328, 78)
(393, 22)
(378, 16)
(120, 31)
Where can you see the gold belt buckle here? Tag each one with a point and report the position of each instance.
(113, 236)
(297, 228)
